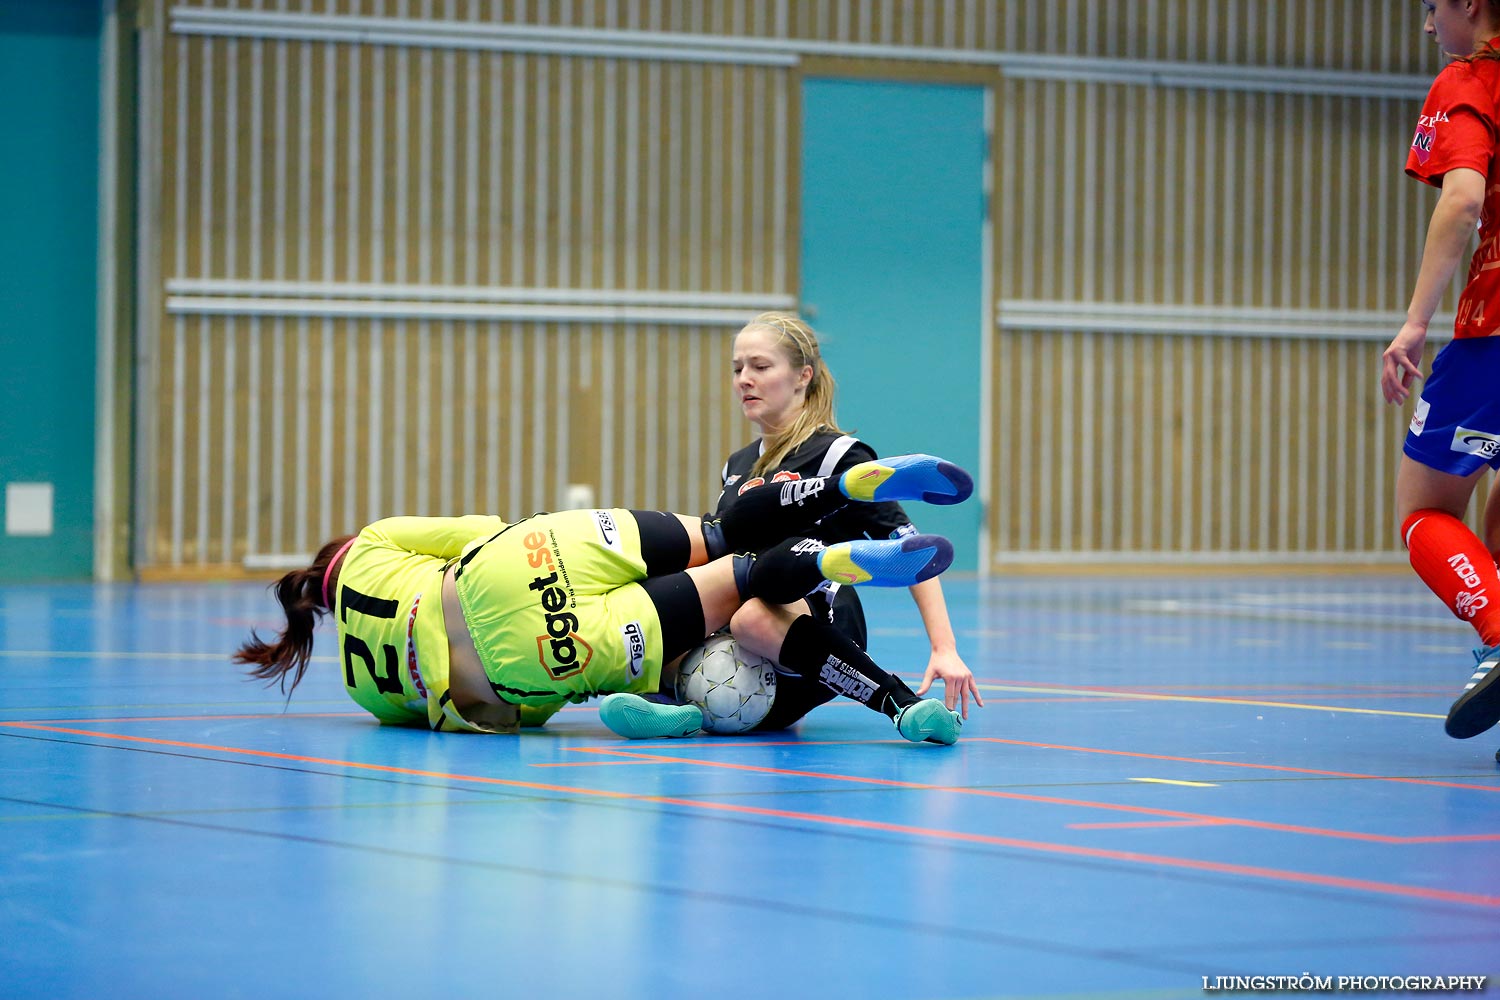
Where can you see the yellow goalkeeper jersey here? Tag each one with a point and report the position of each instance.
(393, 644)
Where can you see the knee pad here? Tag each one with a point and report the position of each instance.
(713, 538)
(744, 565)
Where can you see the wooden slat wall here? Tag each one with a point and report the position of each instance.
(1173, 196)
(291, 430)
(342, 162)
(1109, 445)
(330, 162)
(1371, 35)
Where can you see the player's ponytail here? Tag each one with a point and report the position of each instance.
(800, 343)
(301, 594)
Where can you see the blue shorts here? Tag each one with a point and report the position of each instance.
(1456, 426)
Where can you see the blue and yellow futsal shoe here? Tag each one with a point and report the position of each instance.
(894, 562)
(635, 718)
(907, 477)
(929, 721)
(1478, 708)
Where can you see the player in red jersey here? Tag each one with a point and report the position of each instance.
(1455, 430)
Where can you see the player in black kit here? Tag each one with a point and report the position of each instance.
(786, 389)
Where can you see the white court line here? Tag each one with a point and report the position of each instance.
(1416, 601)
(1269, 613)
(1198, 699)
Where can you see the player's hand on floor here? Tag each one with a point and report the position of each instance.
(958, 682)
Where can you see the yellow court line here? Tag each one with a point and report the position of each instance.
(1137, 696)
(1170, 781)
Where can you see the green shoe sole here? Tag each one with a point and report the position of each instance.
(929, 721)
(635, 718)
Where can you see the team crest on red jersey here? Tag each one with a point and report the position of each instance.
(1421, 143)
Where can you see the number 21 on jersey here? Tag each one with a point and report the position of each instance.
(386, 673)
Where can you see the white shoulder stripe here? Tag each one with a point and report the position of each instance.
(836, 451)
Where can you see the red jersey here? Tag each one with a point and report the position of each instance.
(1460, 127)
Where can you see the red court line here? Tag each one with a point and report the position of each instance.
(1144, 824)
(1187, 818)
(1233, 763)
(1070, 699)
(215, 718)
(1043, 847)
(1089, 695)
(596, 763)
(1357, 695)
(1205, 818)
(717, 743)
(191, 718)
(1166, 861)
(1170, 688)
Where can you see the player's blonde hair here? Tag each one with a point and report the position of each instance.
(797, 341)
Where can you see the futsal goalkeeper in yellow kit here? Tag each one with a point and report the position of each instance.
(553, 601)
(475, 624)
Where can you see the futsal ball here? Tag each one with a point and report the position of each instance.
(734, 688)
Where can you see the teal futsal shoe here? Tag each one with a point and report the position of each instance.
(635, 718)
(929, 721)
(1478, 708)
(894, 562)
(907, 477)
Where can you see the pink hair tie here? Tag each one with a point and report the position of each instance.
(329, 571)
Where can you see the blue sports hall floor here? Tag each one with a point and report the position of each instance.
(1174, 778)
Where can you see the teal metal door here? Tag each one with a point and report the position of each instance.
(893, 224)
